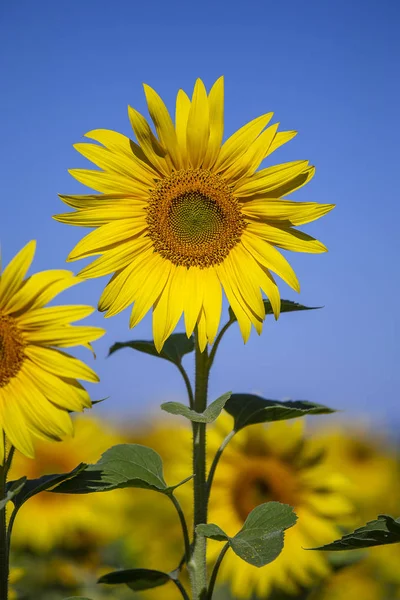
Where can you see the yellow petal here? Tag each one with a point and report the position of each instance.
(14, 423)
(109, 182)
(239, 266)
(198, 126)
(64, 336)
(151, 147)
(252, 158)
(285, 211)
(193, 297)
(181, 118)
(168, 309)
(212, 303)
(60, 363)
(267, 180)
(107, 236)
(163, 124)
(150, 283)
(101, 215)
(216, 112)
(239, 142)
(268, 256)
(117, 258)
(282, 137)
(13, 275)
(236, 305)
(114, 162)
(118, 143)
(286, 237)
(202, 331)
(101, 201)
(60, 315)
(40, 288)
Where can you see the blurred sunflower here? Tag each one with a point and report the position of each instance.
(367, 460)
(38, 382)
(275, 463)
(355, 582)
(49, 520)
(15, 575)
(181, 214)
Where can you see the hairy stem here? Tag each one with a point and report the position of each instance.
(197, 563)
(185, 532)
(188, 385)
(214, 574)
(4, 550)
(216, 461)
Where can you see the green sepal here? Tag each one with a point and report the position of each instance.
(137, 579)
(31, 487)
(174, 349)
(286, 306)
(383, 530)
(260, 541)
(13, 489)
(122, 466)
(249, 409)
(211, 413)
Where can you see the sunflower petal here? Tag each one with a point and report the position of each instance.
(212, 303)
(163, 124)
(60, 315)
(60, 363)
(198, 126)
(286, 237)
(150, 280)
(13, 275)
(168, 309)
(285, 211)
(216, 113)
(181, 118)
(282, 137)
(151, 147)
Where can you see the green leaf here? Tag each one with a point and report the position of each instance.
(137, 579)
(248, 409)
(260, 541)
(32, 487)
(286, 306)
(122, 466)
(384, 530)
(174, 349)
(208, 416)
(12, 490)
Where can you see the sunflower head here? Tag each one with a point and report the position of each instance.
(182, 216)
(38, 381)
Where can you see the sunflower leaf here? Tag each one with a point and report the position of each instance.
(286, 306)
(12, 490)
(122, 466)
(260, 541)
(383, 530)
(174, 349)
(137, 579)
(248, 409)
(208, 416)
(32, 487)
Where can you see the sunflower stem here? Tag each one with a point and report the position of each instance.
(197, 563)
(4, 550)
(214, 574)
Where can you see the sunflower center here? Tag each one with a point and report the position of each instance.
(264, 480)
(194, 219)
(11, 349)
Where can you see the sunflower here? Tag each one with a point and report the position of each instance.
(275, 463)
(70, 521)
(182, 216)
(38, 382)
(357, 581)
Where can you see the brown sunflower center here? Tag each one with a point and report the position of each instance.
(11, 349)
(263, 480)
(194, 219)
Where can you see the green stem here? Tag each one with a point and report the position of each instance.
(4, 551)
(197, 563)
(188, 385)
(181, 589)
(216, 461)
(214, 574)
(217, 343)
(185, 532)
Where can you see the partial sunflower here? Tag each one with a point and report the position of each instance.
(70, 521)
(182, 216)
(262, 464)
(38, 382)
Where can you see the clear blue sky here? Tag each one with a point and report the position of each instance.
(328, 69)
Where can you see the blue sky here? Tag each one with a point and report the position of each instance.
(327, 69)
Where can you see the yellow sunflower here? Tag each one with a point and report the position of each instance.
(49, 520)
(182, 216)
(354, 582)
(38, 382)
(275, 463)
